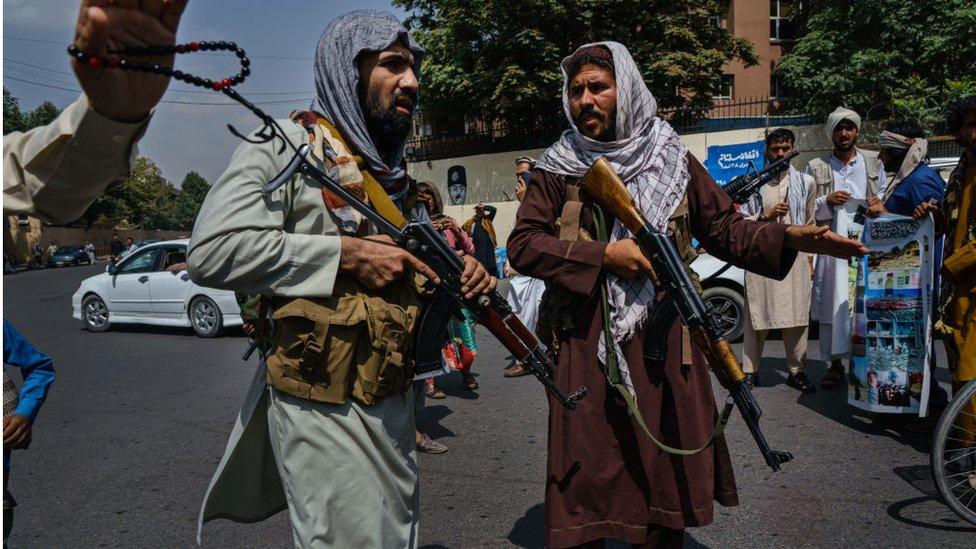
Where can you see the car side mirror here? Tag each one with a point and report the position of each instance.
(112, 269)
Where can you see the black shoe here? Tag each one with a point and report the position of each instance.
(801, 383)
(752, 380)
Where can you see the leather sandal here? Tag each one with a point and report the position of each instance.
(516, 370)
(434, 392)
(801, 383)
(834, 378)
(469, 382)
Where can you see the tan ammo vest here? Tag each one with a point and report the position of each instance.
(357, 343)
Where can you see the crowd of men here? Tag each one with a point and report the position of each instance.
(327, 429)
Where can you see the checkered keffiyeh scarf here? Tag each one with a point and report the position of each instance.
(652, 161)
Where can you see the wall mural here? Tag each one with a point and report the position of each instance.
(457, 185)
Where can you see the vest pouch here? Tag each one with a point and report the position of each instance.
(318, 344)
(387, 368)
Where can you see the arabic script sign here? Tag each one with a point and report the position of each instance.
(724, 162)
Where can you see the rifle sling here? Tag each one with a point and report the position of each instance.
(612, 368)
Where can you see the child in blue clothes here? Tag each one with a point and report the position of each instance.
(20, 408)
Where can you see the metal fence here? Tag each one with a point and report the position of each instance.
(480, 137)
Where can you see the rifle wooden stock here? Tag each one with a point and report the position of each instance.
(604, 186)
(720, 357)
(607, 189)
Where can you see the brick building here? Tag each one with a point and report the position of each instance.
(766, 24)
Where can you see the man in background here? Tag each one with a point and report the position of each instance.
(845, 173)
(780, 304)
(524, 292)
(116, 247)
(957, 307)
(483, 234)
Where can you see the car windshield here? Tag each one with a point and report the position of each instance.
(67, 249)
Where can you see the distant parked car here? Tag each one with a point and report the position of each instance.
(68, 255)
(723, 286)
(151, 286)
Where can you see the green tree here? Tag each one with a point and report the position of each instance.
(141, 201)
(499, 59)
(884, 58)
(42, 115)
(186, 206)
(13, 118)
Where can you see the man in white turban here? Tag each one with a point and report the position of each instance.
(843, 174)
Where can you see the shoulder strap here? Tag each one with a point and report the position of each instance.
(613, 370)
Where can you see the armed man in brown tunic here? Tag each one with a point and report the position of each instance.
(606, 478)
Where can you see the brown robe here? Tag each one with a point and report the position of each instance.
(605, 478)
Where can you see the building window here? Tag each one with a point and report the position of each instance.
(721, 19)
(780, 26)
(725, 85)
(776, 89)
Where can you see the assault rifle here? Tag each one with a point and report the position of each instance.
(423, 241)
(742, 187)
(670, 273)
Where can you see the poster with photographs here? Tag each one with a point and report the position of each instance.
(891, 331)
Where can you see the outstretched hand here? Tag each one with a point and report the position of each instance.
(821, 240)
(111, 25)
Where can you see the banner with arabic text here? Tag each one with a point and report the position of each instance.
(891, 327)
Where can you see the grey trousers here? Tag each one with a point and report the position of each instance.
(349, 471)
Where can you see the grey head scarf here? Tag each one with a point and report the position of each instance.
(652, 161)
(337, 80)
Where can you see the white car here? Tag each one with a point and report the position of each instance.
(151, 286)
(722, 285)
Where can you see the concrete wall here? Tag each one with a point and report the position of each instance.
(18, 239)
(491, 177)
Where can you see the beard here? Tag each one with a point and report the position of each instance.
(387, 126)
(609, 132)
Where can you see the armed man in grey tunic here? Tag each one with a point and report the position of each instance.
(327, 428)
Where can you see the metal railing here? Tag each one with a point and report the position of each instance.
(480, 137)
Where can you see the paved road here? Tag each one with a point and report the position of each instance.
(138, 416)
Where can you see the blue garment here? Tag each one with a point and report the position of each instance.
(36, 367)
(922, 184)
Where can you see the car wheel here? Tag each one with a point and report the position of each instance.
(205, 317)
(728, 306)
(94, 313)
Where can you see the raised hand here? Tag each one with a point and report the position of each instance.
(111, 25)
(774, 212)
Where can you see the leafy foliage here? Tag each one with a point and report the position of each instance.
(15, 120)
(184, 209)
(146, 200)
(499, 59)
(884, 58)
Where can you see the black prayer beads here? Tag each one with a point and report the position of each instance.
(119, 60)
